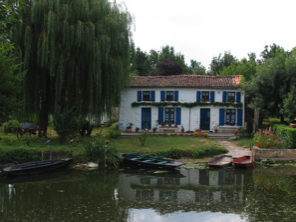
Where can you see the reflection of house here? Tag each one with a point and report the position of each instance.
(199, 187)
(191, 101)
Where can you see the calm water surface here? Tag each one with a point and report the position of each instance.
(258, 194)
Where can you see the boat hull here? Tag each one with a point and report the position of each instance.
(244, 162)
(36, 167)
(170, 165)
(221, 161)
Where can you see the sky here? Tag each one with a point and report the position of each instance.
(202, 29)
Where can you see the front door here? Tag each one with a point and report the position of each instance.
(205, 119)
(146, 118)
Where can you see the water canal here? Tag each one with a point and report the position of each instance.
(258, 194)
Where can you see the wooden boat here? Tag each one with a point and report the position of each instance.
(35, 167)
(244, 161)
(150, 161)
(221, 161)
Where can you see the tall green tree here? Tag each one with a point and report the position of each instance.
(220, 62)
(76, 53)
(196, 68)
(245, 67)
(275, 78)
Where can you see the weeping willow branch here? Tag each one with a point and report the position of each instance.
(76, 53)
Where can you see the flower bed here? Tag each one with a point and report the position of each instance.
(268, 140)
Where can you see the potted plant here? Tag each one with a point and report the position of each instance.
(216, 128)
(176, 124)
(137, 129)
(162, 124)
(169, 122)
(182, 129)
(129, 127)
(198, 131)
(230, 123)
(154, 129)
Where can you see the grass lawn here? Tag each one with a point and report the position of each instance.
(244, 142)
(153, 144)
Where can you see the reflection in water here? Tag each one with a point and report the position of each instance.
(137, 195)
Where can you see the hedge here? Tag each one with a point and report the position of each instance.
(286, 133)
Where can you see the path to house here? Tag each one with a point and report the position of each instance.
(234, 150)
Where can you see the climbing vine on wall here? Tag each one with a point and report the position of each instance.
(188, 105)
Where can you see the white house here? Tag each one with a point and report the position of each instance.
(194, 102)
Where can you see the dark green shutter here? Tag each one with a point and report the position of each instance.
(222, 117)
(160, 115)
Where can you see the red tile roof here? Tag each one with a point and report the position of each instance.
(186, 81)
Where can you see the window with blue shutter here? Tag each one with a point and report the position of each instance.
(238, 97)
(176, 96)
(224, 96)
(221, 117)
(162, 95)
(212, 96)
(160, 115)
(178, 116)
(139, 96)
(239, 117)
(153, 96)
(198, 95)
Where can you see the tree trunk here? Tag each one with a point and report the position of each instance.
(44, 111)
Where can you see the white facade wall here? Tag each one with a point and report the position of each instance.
(190, 117)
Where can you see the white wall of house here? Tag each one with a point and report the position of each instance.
(190, 117)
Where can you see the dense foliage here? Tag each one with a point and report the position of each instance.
(76, 54)
(11, 81)
(18, 155)
(286, 134)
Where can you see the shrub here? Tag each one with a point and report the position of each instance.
(27, 140)
(177, 153)
(143, 136)
(9, 141)
(205, 134)
(19, 155)
(95, 150)
(114, 131)
(269, 140)
(287, 134)
(65, 124)
(196, 134)
(9, 126)
(273, 121)
(84, 127)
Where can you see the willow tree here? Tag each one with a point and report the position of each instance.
(76, 53)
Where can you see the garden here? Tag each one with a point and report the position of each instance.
(84, 146)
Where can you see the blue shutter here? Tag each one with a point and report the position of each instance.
(160, 115)
(139, 96)
(212, 96)
(239, 117)
(152, 95)
(176, 96)
(222, 117)
(178, 115)
(238, 97)
(162, 95)
(224, 96)
(198, 96)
